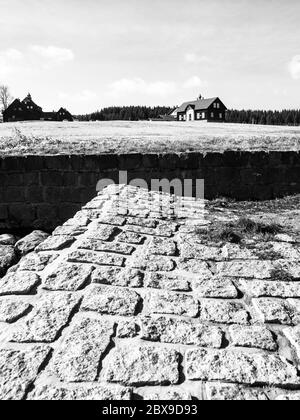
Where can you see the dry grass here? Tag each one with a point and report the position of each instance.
(142, 137)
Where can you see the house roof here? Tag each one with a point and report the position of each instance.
(200, 104)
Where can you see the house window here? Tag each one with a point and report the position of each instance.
(198, 116)
(221, 115)
(203, 115)
(212, 115)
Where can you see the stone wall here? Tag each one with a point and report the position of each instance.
(44, 191)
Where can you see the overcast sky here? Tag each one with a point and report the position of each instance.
(93, 53)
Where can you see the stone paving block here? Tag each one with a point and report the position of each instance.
(7, 257)
(110, 219)
(274, 311)
(152, 263)
(137, 221)
(118, 277)
(289, 396)
(56, 243)
(253, 337)
(275, 289)
(131, 238)
(216, 287)
(69, 231)
(82, 256)
(194, 267)
(166, 282)
(223, 312)
(246, 269)
(173, 304)
(111, 300)
(172, 394)
(80, 393)
(293, 335)
(19, 283)
(36, 261)
(177, 331)
(19, 369)
(190, 248)
(78, 357)
(46, 320)
(101, 232)
(114, 247)
(291, 267)
(68, 277)
(286, 250)
(162, 246)
(11, 309)
(240, 367)
(30, 242)
(228, 392)
(127, 329)
(142, 365)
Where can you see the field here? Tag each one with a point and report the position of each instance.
(152, 137)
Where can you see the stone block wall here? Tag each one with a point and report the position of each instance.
(44, 191)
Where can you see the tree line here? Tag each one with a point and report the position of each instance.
(128, 113)
(284, 117)
(136, 113)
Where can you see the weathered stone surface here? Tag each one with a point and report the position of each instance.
(290, 267)
(286, 250)
(11, 309)
(19, 369)
(152, 263)
(36, 261)
(216, 287)
(68, 277)
(240, 367)
(80, 393)
(78, 358)
(274, 311)
(127, 329)
(194, 266)
(289, 396)
(166, 282)
(173, 304)
(161, 230)
(293, 335)
(227, 392)
(30, 242)
(47, 319)
(101, 232)
(223, 312)
(73, 230)
(142, 365)
(96, 245)
(118, 277)
(131, 238)
(177, 331)
(137, 221)
(162, 246)
(285, 238)
(19, 283)
(252, 336)
(7, 239)
(191, 248)
(7, 257)
(235, 252)
(55, 243)
(111, 300)
(272, 289)
(172, 394)
(110, 219)
(246, 269)
(95, 258)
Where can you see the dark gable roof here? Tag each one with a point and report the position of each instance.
(199, 105)
(15, 103)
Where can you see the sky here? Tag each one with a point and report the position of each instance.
(85, 55)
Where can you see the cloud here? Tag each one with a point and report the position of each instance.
(54, 55)
(294, 67)
(83, 96)
(140, 86)
(9, 61)
(195, 58)
(194, 82)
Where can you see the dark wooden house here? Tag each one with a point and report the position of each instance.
(211, 110)
(27, 110)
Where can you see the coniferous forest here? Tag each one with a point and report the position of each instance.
(137, 113)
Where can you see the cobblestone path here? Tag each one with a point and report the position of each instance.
(126, 301)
